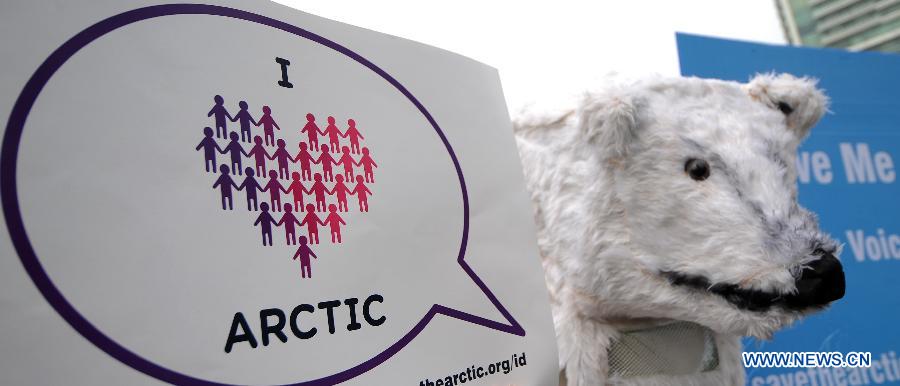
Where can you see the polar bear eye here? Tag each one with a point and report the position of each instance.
(698, 169)
(785, 108)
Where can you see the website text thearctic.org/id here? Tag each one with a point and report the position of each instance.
(477, 372)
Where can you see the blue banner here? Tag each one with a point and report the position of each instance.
(847, 174)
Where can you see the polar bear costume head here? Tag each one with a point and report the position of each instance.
(675, 199)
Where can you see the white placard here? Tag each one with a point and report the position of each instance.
(242, 193)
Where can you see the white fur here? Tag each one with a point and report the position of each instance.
(614, 208)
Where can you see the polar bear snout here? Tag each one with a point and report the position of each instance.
(820, 283)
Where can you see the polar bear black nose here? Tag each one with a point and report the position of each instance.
(820, 283)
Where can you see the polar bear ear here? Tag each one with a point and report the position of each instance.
(609, 122)
(797, 98)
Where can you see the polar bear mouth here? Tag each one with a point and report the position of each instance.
(745, 299)
(820, 283)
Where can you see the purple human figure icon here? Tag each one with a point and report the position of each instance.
(367, 163)
(274, 188)
(282, 157)
(327, 161)
(246, 120)
(312, 131)
(296, 187)
(340, 190)
(312, 222)
(250, 187)
(348, 162)
(362, 194)
(334, 135)
(354, 135)
(221, 116)
(288, 220)
(225, 183)
(319, 190)
(268, 124)
(265, 222)
(259, 154)
(334, 221)
(209, 147)
(305, 159)
(236, 151)
(304, 252)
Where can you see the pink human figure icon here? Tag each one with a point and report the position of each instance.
(304, 252)
(236, 151)
(281, 156)
(354, 135)
(312, 222)
(319, 190)
(327, 161)
(243, 116)
(312, 131)
(368, 164)
(305, 160)
(340, 190)
(225, 184)
(348, 162)
(288, 220)
(274, 188)
(334, 221)
(260, 155)
(362, 194)
(296, 187)
(334, 135)
(268, 124)
(265, 222)
(210, 148)
(221, 116)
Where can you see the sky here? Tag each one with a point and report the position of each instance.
(547, 51)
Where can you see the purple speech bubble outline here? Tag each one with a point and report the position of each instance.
(12, 213)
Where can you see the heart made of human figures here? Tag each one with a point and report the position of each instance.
(302, 192)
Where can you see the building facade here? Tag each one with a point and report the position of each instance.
(855, 25)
